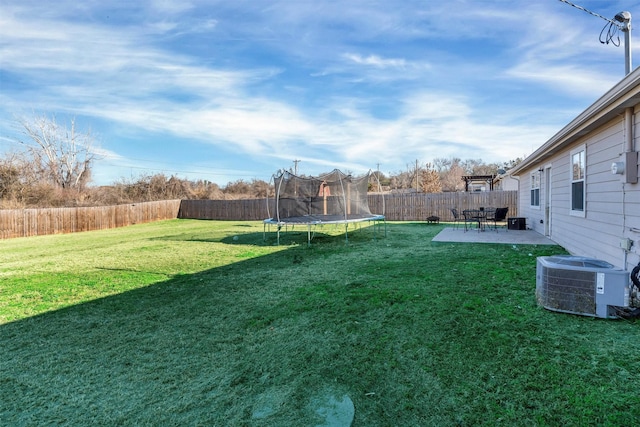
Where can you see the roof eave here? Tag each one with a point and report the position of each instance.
(623, 95)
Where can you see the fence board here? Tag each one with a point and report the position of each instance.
(37, 222)
(419, 206)
(395, 207)
(245, 210)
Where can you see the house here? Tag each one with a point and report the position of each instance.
(503, 181)
(581, 187)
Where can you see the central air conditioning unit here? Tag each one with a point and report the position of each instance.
(579, 285)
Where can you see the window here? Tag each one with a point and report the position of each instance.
(535, 189)
(578, 181)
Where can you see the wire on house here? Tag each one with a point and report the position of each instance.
(612, 34)
(588, 11)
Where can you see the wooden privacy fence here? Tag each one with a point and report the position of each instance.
(419, 206)
(247, 210)
(37, 222)
(396, 207)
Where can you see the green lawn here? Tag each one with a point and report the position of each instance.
(178, 323)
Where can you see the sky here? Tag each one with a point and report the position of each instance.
(238, 90)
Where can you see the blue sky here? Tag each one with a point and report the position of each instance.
(228, 90)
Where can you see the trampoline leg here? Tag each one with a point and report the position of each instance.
(308, 235)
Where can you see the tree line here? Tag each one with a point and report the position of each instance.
(52, 168)
(441, 175)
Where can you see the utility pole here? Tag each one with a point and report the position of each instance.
(624, 18)
(417, 178)
(622, 21)
(408, 183)
(295, 166)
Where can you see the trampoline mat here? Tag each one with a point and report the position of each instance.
(324, 219)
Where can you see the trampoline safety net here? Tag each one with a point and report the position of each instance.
(333, 197)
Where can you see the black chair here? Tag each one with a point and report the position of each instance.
(472, 216)
(456, 217)
(500, 215)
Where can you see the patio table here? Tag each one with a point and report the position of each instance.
(478, 216)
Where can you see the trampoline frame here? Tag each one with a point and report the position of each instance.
(321, 220)
(318, 220)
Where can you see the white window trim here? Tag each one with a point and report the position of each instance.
(531, 188)
(573, 212)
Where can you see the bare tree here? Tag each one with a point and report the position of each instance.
(511, 163)
(478, 167)
(61, 155)
(443, 164)
(451, 178)
(430, 180)
(402, 180)
(12, 170)
(237, 188)
(203, 189)
(261, 189)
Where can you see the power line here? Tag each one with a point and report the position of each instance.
(151, 169)
(621, 22)
(597, 15)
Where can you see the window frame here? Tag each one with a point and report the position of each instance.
(534, 190)
(579, 180)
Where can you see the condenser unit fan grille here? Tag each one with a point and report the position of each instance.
(568, 290)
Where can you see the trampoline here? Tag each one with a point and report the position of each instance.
(334, 198)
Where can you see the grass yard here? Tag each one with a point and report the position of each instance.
(178, 323)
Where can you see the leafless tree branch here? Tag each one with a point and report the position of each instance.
(61, 155)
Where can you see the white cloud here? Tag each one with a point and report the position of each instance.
(170, 7)
(392, 83)
(376, 61)
(571, 79)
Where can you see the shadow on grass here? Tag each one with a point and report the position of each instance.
(221, 347)
(407, 330)
(291, 235)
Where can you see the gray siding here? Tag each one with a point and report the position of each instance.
(612, 208)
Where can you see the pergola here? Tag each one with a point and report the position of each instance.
(481, 179)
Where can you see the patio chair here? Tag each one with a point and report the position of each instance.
(471, 216)
(456, 217)
(489, 214)
(499, 215)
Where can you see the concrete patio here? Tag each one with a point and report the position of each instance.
(512, 237)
